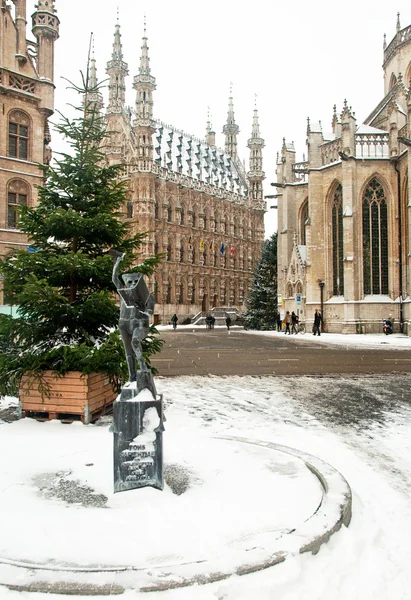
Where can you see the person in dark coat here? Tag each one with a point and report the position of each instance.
(228, 322)
(317, 322)
(294, 323)
(279, 322)
(174, 320)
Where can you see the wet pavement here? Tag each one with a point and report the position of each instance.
(219, 352)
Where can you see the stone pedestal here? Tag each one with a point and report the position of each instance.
(138, 436)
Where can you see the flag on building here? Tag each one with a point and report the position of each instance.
(222, 248)
(190, 243)
(211, 247)
(202, 246)
(232, 251)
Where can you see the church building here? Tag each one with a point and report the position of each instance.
(26, 103)
(344, 226)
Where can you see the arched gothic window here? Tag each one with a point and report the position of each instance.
(182, 216)
(375, 239)
(337, 241)
(169, 213)
(156, 210)
(169, 252)
(19, 135)
(168, 293)
(129, 210)
(17, 195)
(303, 223)
(181, 253)
(180, 294)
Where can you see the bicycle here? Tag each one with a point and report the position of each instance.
(300, 327)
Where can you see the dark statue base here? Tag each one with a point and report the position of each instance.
(138, 437)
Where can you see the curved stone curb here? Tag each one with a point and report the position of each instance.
(334, 510)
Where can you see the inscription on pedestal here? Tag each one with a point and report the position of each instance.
(138, 440)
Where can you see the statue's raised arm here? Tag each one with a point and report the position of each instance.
(119, 257)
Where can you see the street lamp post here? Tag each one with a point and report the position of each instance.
(321, 285)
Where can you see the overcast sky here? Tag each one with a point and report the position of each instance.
(299, 57)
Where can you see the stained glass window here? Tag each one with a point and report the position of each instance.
(338, 242)
(375, 239)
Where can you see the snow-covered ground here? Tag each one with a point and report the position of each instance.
(371, 448)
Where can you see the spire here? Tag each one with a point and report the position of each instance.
(210, 134)
(94, 98)
(93, 71)
(398, 22)
(256, 129)
(117, 53)
(144, 125)
(384, 46)
(230, 129)
(117, 71)
(144, 59)
(256, 174)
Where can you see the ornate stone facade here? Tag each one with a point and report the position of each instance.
(197, 203)
(26, 101)
(344, 213)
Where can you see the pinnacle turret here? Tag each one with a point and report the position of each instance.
(210, 133)
(94, 97)
(144, 84)
(256, 129)
(231, 130)
(256, 174)
(117, 71)
(46, 30)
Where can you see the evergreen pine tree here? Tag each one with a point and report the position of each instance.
(262, 300)
(68, 310)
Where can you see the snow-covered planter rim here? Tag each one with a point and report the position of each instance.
(333, 511)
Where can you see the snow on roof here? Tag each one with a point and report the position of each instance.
(400, 109)
(289, 146)
(363, 128)
(315, 127)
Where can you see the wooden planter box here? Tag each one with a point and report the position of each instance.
(69, 398)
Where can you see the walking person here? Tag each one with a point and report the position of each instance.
(228, 322)
(279, 322)
(294, 323)
(287, 322)
(317, 322)
(174, 320)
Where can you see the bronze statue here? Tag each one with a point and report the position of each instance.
(136, 306)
